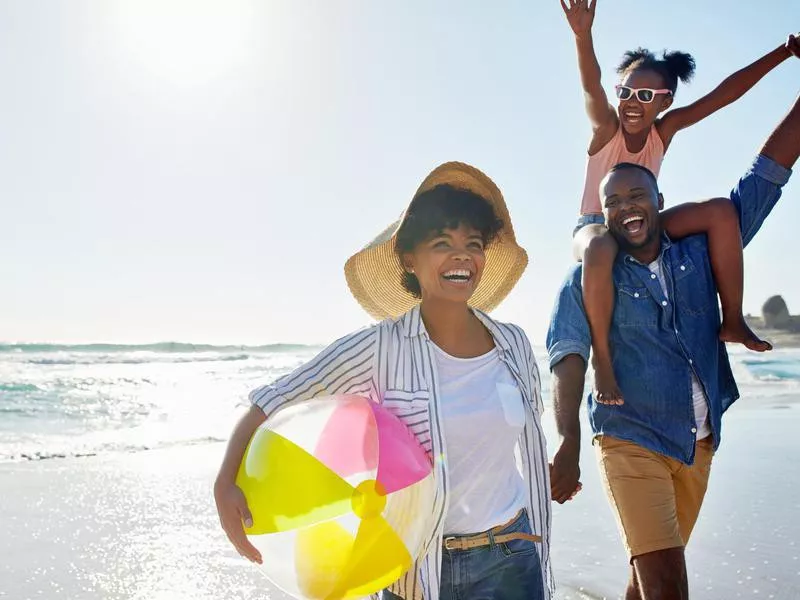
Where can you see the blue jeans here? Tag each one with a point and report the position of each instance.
(588, 219)
(507, 571)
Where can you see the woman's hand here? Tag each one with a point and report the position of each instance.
(233, 511)
(231, 503)
(580, 15)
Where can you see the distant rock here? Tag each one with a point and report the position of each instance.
(776, 324)
(776, 314)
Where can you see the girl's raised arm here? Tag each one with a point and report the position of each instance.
(731, 89)
(603, 117)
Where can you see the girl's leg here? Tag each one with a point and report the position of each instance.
(597, 249)
(717, 218)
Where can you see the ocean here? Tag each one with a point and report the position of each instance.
(59, 401)
(108, 455)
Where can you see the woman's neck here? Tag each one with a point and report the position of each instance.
(455, 329)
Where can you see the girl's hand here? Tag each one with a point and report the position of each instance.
(793, 44)
(580, 15)
(232, 510)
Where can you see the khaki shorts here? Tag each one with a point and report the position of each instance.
(656, 499)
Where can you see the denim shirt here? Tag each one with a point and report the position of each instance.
(658, 342)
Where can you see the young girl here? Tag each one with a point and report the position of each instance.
(635, 132)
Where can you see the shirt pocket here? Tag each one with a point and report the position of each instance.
(412, 408)
(691, 288)
(511, 401)
(635, 307)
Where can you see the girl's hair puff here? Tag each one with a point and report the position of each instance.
(672, 66)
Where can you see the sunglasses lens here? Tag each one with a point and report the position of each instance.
(645, 95)
(623, 93)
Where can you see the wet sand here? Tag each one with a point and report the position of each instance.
(143, 526)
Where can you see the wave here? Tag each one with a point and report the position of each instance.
(161, 347)
(777, 368)
(18, 387)
(135, 361)
(109, 449)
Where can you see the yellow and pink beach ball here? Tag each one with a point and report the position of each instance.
(341, 495)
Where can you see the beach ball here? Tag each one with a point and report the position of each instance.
(341, 495)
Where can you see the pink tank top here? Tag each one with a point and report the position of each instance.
(598, 165)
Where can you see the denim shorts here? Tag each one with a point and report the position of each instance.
(507, 571)
(588, 219)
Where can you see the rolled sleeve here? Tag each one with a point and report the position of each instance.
(563, 348)
(345, 367)
(756, 194)
(569, 328)
(264, 396)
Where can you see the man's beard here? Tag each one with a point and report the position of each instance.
(627, 246)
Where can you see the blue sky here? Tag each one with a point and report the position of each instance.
(200, 171)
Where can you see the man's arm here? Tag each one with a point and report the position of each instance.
(760, 188)
(569, 376)
(568, 344)
(783, 144)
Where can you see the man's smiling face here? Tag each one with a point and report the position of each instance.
(631, 203)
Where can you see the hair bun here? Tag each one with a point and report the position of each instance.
(680, 64)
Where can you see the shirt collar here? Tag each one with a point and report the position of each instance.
(413, 326)
(666, 244)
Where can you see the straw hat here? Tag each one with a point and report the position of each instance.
(374, 274)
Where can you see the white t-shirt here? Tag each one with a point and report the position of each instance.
(698, 395)
(483, 418)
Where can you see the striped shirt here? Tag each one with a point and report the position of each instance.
(392, 362)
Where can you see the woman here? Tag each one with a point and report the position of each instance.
(465, 385)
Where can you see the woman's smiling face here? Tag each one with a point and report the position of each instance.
(448, 264)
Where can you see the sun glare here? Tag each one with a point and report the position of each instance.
(187, 41)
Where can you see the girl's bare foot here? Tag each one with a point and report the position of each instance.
(606, 390)
(737, 331)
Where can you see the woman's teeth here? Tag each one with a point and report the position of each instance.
(457, 275)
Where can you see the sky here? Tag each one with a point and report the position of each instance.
(199, 171)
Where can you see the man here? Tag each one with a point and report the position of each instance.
(655, 448)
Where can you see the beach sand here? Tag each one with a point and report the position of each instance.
(143, 525)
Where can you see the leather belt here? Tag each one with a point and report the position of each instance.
(483, 539)
(466, 542)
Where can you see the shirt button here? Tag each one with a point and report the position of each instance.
(683, 267)
(636, 294)
(694, 429)
(691, 362)
(663, 303)
(652, 275)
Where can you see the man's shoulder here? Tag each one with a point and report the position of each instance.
(574, 275)
(694, 246)
(692, 242)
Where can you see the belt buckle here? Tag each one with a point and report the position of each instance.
(447, 541)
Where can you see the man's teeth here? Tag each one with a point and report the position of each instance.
(457, 275)
(633, 224)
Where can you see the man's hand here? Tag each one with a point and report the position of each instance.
(580, 15)
(565, 471)
(793, 44)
